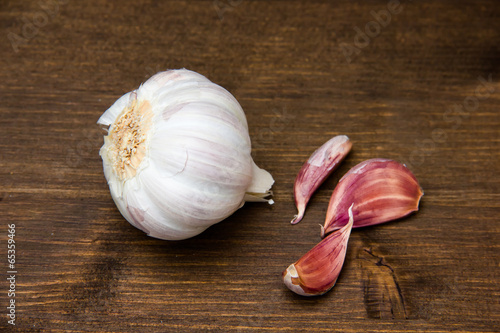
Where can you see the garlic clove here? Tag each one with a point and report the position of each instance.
(317, 168)
(317, 271)
(382, 190)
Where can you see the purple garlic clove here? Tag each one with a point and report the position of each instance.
(381, 190)
(317, 271)
(314, 172)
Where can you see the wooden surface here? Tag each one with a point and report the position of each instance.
(82, 268)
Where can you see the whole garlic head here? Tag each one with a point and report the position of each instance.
(177, 155)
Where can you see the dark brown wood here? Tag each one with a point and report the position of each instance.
(414, 91)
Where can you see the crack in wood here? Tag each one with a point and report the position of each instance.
(383, 296)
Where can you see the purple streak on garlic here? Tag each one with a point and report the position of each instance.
(382, 190)
(317, 168)
(177, 155)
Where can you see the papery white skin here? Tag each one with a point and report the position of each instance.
(197, 169)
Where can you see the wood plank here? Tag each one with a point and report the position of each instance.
(81, 267)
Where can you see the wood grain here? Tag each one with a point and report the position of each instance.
(424, 90)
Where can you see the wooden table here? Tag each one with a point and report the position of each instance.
(420, 85)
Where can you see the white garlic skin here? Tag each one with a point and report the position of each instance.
(189, 154)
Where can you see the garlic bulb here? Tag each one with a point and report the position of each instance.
(177, 155)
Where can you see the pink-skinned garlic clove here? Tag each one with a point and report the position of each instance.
(317, 168)
(382, 190)
(318, 270)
